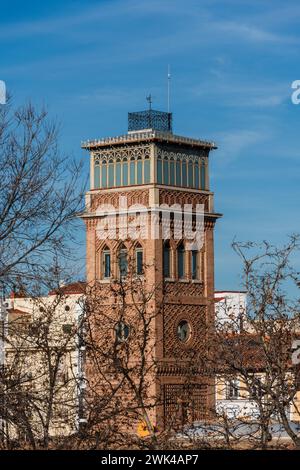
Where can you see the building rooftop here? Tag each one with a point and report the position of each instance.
(230, 292)
(77, 287)
(146, 135)
(148, 126)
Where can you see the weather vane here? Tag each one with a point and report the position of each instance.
(149, 99)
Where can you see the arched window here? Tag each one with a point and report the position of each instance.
(97, 175)
(106, 263)
(203, 176)
(195, 264)
(184, 173)
(111, 171)
(139, 262)
(125, 172)
(118, 172)
(196, 180)
(159, 171)
(123, 261)
(147, 170)
(167, 260)
(104, 175)
(132, 171)
(180, 261)
(139, 171)
(166, 171)
(172, 172)
(190, 173)
(178, 173)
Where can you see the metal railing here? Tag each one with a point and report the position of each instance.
(146, 135)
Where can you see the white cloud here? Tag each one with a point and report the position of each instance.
(233, 91)
(233, 144)
(251, 33)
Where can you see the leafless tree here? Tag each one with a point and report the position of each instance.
(40, 195)
(255, 346)
(40, 377)
(121, 393)
(273, 311)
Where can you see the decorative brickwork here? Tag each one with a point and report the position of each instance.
(178, 289)
(181, 155)
(113, 198)
(184, 403)
(133, 151)
(173, 314)
(170, 197)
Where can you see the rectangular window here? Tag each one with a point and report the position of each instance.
(232, 389)
(96, 176)
(178, 173)
(159, 171)
(132, 172)
(203, 177)
(180, 263)
(172, 172)
(118, 174)
(191, 179)
(106, 262)
(256, 390)
(166, 172)
(123, 263)
(194, 264)
(139, 262)
(147, 171)
(111, 176)
(104, 176)
(184, 174)
(166, 261)
(196, 182)
(139, 172)
(125, 174)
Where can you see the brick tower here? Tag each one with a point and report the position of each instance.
(151, 166)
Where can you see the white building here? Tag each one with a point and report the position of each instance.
(230, 308)
(33, 329)
(233, 397)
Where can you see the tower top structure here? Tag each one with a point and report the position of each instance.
(150, 119)
(149, 125)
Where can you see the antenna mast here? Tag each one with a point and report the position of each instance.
(169, 83)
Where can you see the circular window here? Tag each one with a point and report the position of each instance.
(122, 331)
(184, 331)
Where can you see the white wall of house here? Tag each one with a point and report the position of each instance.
(237, 408)
(230, 307)
(68, 313)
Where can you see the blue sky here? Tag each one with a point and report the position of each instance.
(232, 65)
